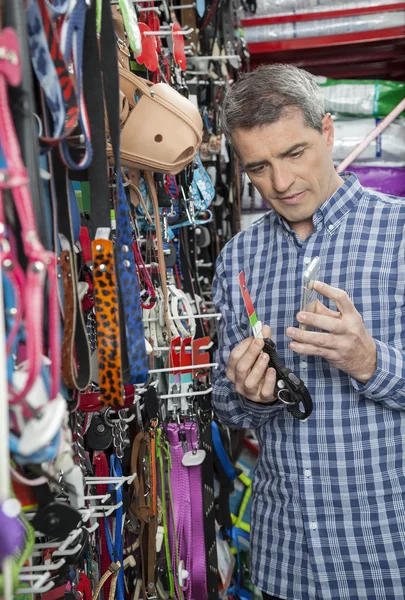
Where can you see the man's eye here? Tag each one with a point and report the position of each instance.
(296, 154)
(258, 170)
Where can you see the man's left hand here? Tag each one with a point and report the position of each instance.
(346, 343)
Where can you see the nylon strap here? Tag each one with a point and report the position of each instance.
(115, 548)
(137, 361)
(101, 470)
(134, 358)
(159, 456)
(68, 375)
(172, 523)
(198, 552)
(23, 109)
(93, 95)
(72, 47)
(50, 68)
(111, 358)
(159, 239)
(78, 355)
(143, 510)
(207, 474)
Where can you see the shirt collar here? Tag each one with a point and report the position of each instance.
(333, 210)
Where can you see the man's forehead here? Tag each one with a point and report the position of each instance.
(274, 139)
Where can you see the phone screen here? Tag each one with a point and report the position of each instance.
(310, 275)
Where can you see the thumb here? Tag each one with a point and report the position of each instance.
(266, 331)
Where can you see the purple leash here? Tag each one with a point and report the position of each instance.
(178, 484)
(198, 561)
(186, 484)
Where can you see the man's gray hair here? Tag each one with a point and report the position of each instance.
(263, 96)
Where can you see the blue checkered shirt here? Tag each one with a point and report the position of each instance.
(328, 511)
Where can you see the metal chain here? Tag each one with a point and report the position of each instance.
(80, 449)
(91, 329)
(119, 431)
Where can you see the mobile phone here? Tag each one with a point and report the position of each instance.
(310, 275)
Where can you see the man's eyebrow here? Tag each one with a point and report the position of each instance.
(259, 163)
(256, 163)
(293, 149)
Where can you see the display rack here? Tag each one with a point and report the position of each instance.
(373, 53)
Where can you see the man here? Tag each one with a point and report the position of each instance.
(328, 510)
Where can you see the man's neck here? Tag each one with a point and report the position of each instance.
(303, 229)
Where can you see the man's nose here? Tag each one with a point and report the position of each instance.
(282, 178)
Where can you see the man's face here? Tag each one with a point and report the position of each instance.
(290, 164)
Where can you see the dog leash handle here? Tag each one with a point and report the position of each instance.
(291, 390)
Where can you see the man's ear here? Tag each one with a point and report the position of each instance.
(328, 131)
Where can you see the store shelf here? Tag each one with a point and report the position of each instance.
(377, 53)
(327, 40)
(322, 14)
(382, 59)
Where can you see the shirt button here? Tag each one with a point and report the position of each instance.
(330, 226)
(307, 260)
(286, 234)
(307, 473)
(313, 525)
(303, 364)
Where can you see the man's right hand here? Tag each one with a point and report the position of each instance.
(249, 371)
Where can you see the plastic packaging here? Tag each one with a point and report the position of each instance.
(131, 25)
(389, 147)
(381, 179)
(323, 27)
(277, 7)
(361, 97)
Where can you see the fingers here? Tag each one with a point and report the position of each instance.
(266, 393)
(321, 309)
(242, 357)
(325, 322)
(256, 373)
(259, 390)
(247, 361)
(239, 351)
(323, 340)
(341, 299)
(329, 354)
(248, 369)
(266, 331)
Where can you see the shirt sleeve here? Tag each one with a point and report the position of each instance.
(387, 384)
(231, 408)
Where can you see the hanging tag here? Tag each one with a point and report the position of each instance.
(200, 358)
(255, 324)
(75, 479)
(186, 376)
(174, 376)
(148, 55)
(102, 233)
(178, 46)
(193, 458)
